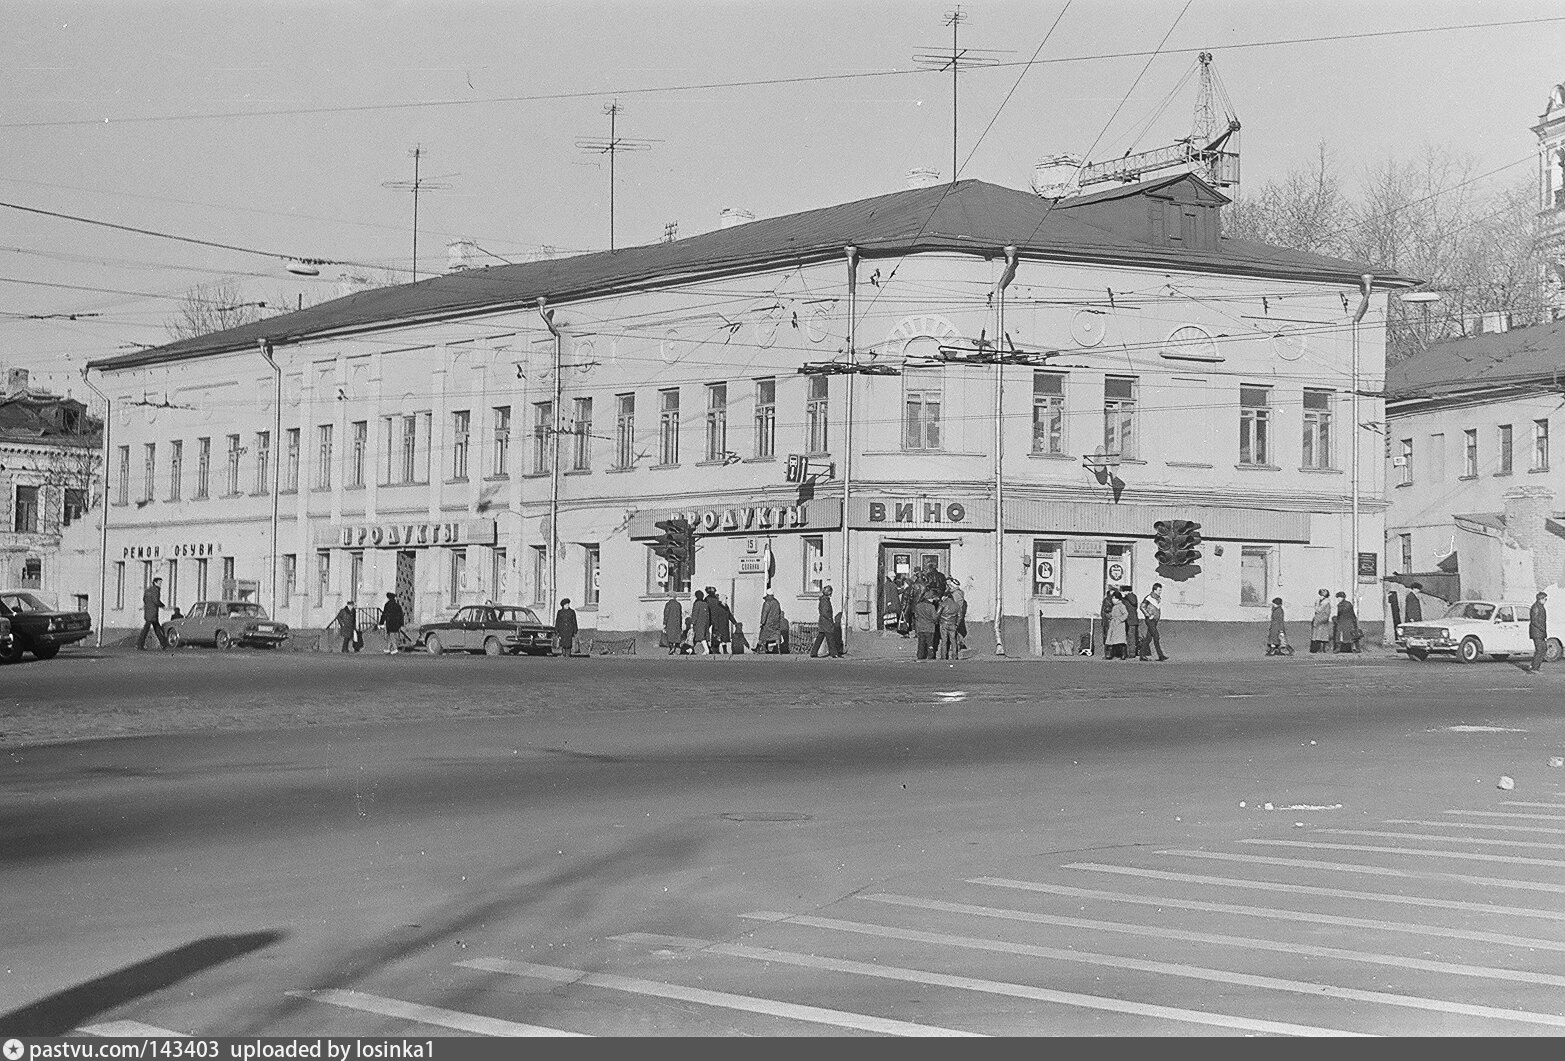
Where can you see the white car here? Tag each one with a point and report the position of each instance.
(1470, 629)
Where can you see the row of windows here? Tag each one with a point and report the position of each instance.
(405, 438)
(27, 509)
(171, 586)
(1505, 453)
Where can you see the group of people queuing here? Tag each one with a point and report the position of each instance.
(933, 609)
(712, 629)
(1334, 623)
(1130, 626)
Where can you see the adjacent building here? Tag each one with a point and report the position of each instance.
(51, 481)
(1008, 387)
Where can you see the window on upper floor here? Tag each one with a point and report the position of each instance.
(1119, 415)
(1540, 445)
(766, 417)
(1317, 428)
(1048, 412)
(716, 421)
(26, 510)
(923, 395)
(461, 428)
(816, 440)
(1507, 451)
(1406, 457)
(1255, 425)
(668, 426)
(1470, 453)
(624, 431)
(581, 434)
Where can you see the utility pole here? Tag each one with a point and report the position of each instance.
(553, 436)
(611, 147)
(959, 59)
(417, 185)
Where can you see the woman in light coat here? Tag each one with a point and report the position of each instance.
(1114, 633)
(1321, 622)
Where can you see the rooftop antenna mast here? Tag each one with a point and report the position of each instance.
(611, 147)
(958, 60)
(417, 185)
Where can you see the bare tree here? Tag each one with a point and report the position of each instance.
(211, 307)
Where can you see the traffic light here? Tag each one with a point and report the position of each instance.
(677, 546)
(797, 468)
(1178, 542)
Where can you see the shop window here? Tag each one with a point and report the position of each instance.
(201, 580)
(497, 573)
(1255, 576)
(661, 579)
(171, 583)
(457, 576)
(540, 573)
(322, 578)
(1407, 553)
(591, 558)
(32, 573)
(1047, 569)
(355, 574)
(814, 565)
(1119, 565)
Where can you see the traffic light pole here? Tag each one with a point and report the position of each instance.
(1006, 277)
(1366, 284)
(851, 253)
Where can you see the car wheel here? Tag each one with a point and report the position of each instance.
(222, 640)
(492, 647)
(12, 653)
(1553, 650)
(1418, 654)
(1469, 650)
(46, 651)
(433, 646)
(174, 640)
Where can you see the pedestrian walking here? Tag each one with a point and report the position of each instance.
(1132, 623)
(151, 604)
(925, 624)
(1346, 625)
(722, 623)
(565, 627)
(1321, 623)
(347, 627)
(391, 618)
(1276, 633)
(1114, 632)
(770, 628)
(700, 624)
(1395, 603)
(1414, 611)
(826, 632)
(673, 626)
(1151, 615)
(1538, 630)
(948, 613)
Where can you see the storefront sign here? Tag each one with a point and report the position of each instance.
(173, 551)
(1369, 567)
(1086, 547)
(398, 535)
(923, 513)
(752, 565)
(823, 514)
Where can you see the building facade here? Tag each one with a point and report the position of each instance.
(51, 482)
(1472, 468)
(516, 433)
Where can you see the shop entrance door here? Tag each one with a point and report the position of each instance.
(407, 564)
(905, 559)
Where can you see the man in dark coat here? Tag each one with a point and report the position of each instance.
(1414, 612)
(700, 623)
(1538, 630)
(151, 602)
(673, 626)
(826, 627)
(1105, 610)
(770, 631)
(565, 627)
(1132, 623)
(722, 623)
(347, 626)
(391, 618)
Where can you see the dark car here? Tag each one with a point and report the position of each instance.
(489, 628)
(226, 623)
(38, 628)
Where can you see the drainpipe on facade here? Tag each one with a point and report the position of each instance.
(554, 446)
(1006, 277)
(103, 539)
(852, 255)
(277, 465)
(1366, 285)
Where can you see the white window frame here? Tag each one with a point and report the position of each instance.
(766, 417)
(1048, 413)
(1470, 453)
(1317, 441)
(581, 429)
(625, 430)
(1507, 449)
(923, 406)
(461, 439)
(1052, 550)
(500, 443)
(817, 413)
(176, 469)
(1268, 556)
(1119, 416)
(716, 421)
(668, 427)
(1255, 415)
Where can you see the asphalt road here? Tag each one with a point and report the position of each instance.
(259, 843)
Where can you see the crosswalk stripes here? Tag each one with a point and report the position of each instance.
(1385, 835)
(1499, 827)
(1508, 814)
(766, 1007)
(418, 1013)
(994, 987)
(1373, 871)
(1510, 860)
(1220, 976)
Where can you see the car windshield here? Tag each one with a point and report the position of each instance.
(244, 611)
(1469, 609)
(24, 602)
(517, 615)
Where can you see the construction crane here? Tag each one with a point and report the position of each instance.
(1209, 151)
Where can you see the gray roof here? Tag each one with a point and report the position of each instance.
(969, 216)
(1516, 358)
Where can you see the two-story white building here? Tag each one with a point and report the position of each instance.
(516, 433)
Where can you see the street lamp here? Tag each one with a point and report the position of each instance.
(1423, 298)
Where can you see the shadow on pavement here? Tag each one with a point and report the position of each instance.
(67, 1010)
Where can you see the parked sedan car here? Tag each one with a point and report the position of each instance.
(226, 624)
(1471, 629)
(37, 627)
(489, 628)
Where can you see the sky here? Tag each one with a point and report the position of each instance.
(273, 127)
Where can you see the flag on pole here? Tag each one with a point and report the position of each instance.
(771, 564)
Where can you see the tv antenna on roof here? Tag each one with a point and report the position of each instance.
(417, 185)
(958, 60)
(611, 147)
